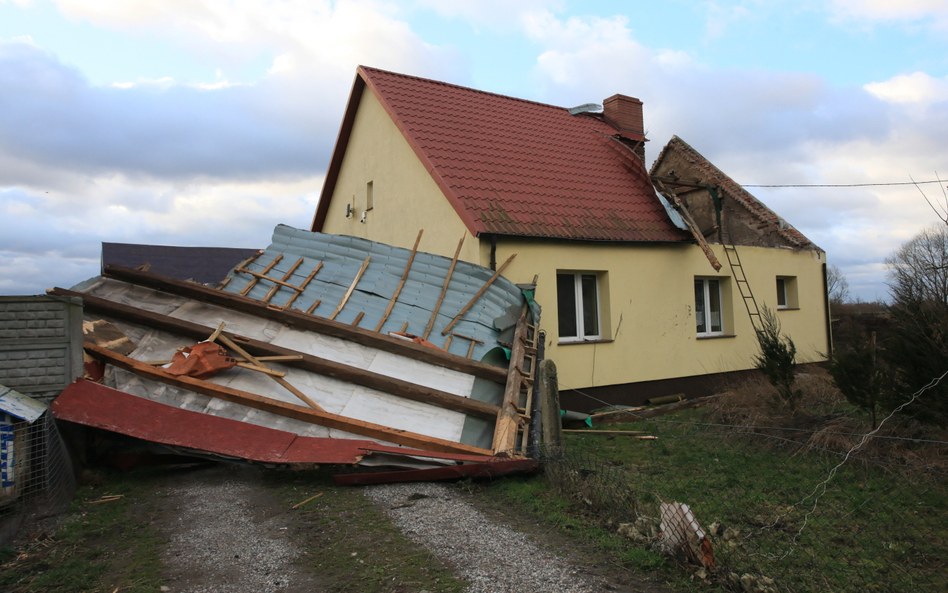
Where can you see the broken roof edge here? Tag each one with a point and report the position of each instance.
(308, 322)
(753, 205)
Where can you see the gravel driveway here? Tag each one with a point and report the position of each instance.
(227, 533)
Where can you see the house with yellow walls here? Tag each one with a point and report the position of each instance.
(650, 281)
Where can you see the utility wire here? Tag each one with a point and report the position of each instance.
(849, 184)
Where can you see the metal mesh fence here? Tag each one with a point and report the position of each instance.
(38, 478)
(779, 515)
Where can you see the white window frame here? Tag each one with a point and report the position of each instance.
(706, 289)
(581, 335)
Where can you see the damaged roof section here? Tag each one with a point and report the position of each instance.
(304, 346)
(340, 259)
(683, 171)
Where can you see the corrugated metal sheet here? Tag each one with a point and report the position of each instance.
(342, 257)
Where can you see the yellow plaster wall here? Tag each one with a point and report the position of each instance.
(647, 291)
(406, 199)
(647, 308)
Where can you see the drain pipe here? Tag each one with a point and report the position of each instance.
(493, 253)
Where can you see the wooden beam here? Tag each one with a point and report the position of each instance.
(508, 419)
(308, 362)
(444, 289)
(253, 281)
(367, 429)
(303, 286)
(286, 277)
(634, 415)
(690, 223)
(695, 184)
(355, 281)
(303, 321)
(478, 295)
(401, 284)
(279, 379)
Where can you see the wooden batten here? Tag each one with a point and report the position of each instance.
(444, 290)
(401, 284)
(303, 321)
(306, 362)
(508, 418)
(348, 294)
(320, 418)
(480, 292)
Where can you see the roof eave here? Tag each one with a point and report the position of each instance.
(338, 152)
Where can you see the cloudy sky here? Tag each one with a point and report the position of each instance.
(207, 122)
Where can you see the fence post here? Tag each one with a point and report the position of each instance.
(550, 409)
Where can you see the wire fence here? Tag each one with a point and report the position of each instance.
(36, 475)
(763, 510)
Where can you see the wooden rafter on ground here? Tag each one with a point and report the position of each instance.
(306, 362)
(625, 416)
(359, 427)
(303, 321)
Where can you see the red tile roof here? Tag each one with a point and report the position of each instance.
(515, 167)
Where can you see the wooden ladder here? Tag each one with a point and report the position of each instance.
(740, 279)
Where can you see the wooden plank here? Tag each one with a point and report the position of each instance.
(253, 281)
(401, 284)
(355, 322)
(367, 429)
(632, 416)
(312, 307)
(603, 432)
(444, 289)
(263, 276)
(478, 295)
(286, 277)
(307, 322)
(279, 379)
(692, 226)
(303, 286)
(308, 362)
(508, 419)
(345, 298)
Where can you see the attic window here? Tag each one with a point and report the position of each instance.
(369, 196)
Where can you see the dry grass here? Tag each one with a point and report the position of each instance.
(825, 420)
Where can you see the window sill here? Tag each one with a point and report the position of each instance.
(788, 308)
(580, 342)
(716, 337)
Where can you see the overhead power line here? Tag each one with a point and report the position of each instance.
(849, 184)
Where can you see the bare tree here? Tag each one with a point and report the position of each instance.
(918, 348)
(836, 285)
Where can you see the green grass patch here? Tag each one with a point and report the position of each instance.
(863, 526)
(351, 544)
(100, 547)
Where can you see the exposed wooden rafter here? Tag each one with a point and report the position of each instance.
(307, 362)
(301, 320)
(320, 418)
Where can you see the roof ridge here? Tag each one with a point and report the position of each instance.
(368, 69)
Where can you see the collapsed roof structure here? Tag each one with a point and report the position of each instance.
(335, 349)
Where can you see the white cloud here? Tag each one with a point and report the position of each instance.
(773, 127)
(918, 88)
(893, 10)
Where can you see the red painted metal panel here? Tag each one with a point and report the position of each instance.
(91, 404)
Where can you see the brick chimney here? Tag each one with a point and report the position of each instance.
(625, 113)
